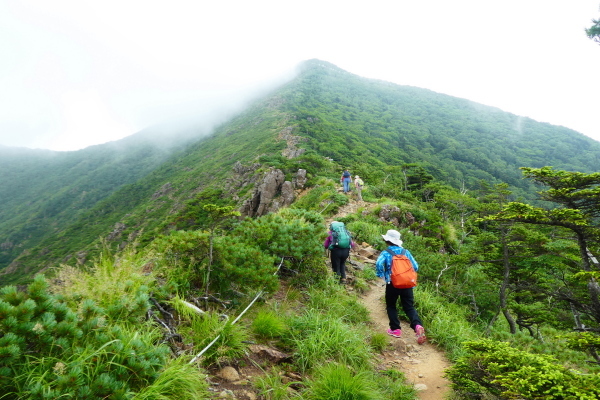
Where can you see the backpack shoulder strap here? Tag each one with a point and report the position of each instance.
(402, 253)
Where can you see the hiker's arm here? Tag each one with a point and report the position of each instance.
(380, 267)
(327, 241)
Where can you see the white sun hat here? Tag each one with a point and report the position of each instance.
(392, 236)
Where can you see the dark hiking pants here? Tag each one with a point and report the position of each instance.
(338, 261)
(406, 300)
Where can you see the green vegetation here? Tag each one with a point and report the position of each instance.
(267, 324)
(49, 349)
(337, 381)
(593, 32)
(153, 264)
(498, 369)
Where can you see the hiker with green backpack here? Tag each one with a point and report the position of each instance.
(339, 242)
(398, 268)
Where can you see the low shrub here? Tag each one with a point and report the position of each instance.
(498, 369)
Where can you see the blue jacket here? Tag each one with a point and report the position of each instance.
(384, 262)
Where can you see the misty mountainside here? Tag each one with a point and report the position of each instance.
(57, 207)
(44, 191)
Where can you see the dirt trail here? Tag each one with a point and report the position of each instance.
(423, 365)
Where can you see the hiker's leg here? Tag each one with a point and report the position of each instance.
(335, 260)
(346, 185)
(407, 300)
(391, 298)
(344, 254)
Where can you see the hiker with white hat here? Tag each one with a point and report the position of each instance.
(392, 293)
(358, 183)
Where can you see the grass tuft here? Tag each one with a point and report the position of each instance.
(338, 382)
(272, 387)
(268, 325)
(179, 380)
(379, 341)
(319, 338)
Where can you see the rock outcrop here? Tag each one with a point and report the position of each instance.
(272, 192)
(292, 150)
(300, 179)
(264, 193)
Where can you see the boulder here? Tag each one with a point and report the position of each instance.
(386, 211)
(275, 356)
(287, 193)
(229, 374)
(300, 179)
(368, 252)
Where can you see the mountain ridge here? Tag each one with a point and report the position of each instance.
(378, 128)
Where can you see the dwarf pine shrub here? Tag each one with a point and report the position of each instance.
(293, 234)
(48, 350)
(237, 266)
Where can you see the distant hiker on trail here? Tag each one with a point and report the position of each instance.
(346, 179)
(339, 243)
(384, 271)
(358, 183)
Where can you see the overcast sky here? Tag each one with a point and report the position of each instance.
(77, 73)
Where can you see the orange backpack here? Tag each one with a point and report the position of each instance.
(403, 275)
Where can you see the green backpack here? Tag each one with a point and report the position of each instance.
(340, 236)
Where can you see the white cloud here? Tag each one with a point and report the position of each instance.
(81, 72)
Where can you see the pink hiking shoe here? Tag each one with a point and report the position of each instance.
(420, 332)
(395, 332)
